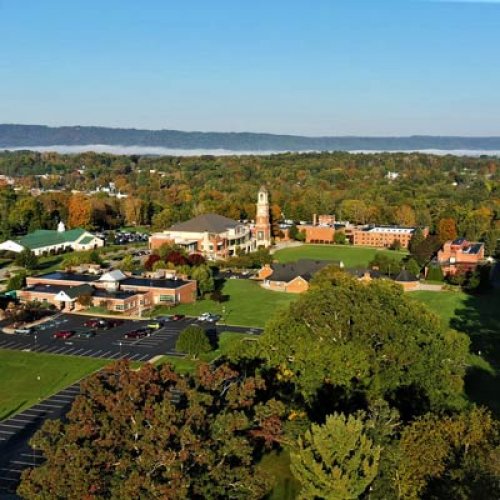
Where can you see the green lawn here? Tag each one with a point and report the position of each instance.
(479, 317)
(351, 256)
(19, 385)
(249, 304)
(226, 341)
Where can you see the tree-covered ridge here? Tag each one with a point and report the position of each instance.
(40, 135)
(163, 190)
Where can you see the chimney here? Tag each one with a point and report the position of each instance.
(315, 220)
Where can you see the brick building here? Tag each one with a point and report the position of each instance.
(114, 291)
(292, 277)
(460, 256)
(383, 236)
(217, 237)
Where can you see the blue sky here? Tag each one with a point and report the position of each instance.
(312, 67)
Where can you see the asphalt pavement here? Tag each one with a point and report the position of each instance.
(109, 343)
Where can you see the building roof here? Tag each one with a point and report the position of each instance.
(360, 273)
(86, 240)
(46, 238)
(60, 276)
(212, 223)
(73, 292)
(304, 268)
(405, 277)
(154, 283)
(115, 275)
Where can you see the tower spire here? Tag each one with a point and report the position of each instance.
(262, 220)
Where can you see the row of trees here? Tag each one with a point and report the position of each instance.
(362, 385)
(167, 189)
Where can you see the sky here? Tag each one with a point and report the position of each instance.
(308, 67)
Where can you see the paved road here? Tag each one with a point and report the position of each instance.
(15, 433)
(109, 344)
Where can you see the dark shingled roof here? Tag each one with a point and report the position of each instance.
(405, 276)
(213, 223)
(304, 268)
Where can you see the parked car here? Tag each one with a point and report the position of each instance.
(95, 323)
(113, 323)
(25, 331)
(155, 324)
(208, 317)
(137, 334)
(63, 334)
(177, 317)
(86, 335)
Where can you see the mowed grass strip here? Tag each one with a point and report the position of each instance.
(19, 372)
(351, 256)
(248, 305)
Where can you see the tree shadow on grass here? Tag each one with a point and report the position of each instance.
(479, 317)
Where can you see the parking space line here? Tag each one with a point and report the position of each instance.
(13, 426)
(48, 405)
(134, 356)
(60, 401)
(105, 354)
(7, 432)
(98, 352)
(12, 470)
(86, 352)
(25, 421)
(3, 478)
(22, 462)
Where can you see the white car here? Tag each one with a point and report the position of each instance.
(204, 317)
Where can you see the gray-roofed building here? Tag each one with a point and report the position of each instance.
(217, 237)
(293, 277)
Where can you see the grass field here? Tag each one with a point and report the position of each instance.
(226, 341)
(19, 385)
(249, 304)
(479, 317)
(349, 255)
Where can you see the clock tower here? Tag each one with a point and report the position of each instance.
(262, 222)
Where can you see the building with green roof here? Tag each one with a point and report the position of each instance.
(45, 241)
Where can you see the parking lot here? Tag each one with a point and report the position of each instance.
(15, 433)
(107, 343)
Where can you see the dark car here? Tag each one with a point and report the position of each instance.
(137, 334)
(95, 323)
(63, 334)
(113, 323)
(86, 335)
(178, 317)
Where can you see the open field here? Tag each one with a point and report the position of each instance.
(351, 256)
(226, 341)
(19, 385)
(479, 317)
(249, 304)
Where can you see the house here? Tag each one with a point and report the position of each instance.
(384, 236)
(114, 291)
(45, 241)
(292, 277)
(460, 256)
(217, 237)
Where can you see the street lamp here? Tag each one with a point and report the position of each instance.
(35, 341)
(120, 344)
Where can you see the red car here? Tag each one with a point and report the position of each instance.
(63, 334)
(177, 317)
(136, 334)
(112, 323)
(95, 323)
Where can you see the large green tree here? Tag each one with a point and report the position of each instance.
(366, 339)
(336, 460)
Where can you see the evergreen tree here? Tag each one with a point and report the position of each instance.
(337, 460)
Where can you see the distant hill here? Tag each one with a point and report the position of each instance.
(26, 136)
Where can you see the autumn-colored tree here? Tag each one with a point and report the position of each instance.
(447, 230)
(79, 211)
(405, 216)
(151, 433)
(150, 261)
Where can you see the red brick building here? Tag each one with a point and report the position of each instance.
(460, 256)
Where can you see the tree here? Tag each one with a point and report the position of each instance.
(17, 281)
(412, 266)
(163, 219)
(405, 216)
(204, 278)
(196, 259)
(340, 238)
(150, 261)
(127, 263)
(417, 239)
(85, 300)
(366, 339)
(79, 212)
(193, 340)
(386, 264)
(151, 433)
(447, 230)
(435, 273)
(337, 460)
(293, 232)
(26, 259)
(454, 456)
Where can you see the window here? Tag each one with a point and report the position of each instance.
(167, 298)
(120, 307)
